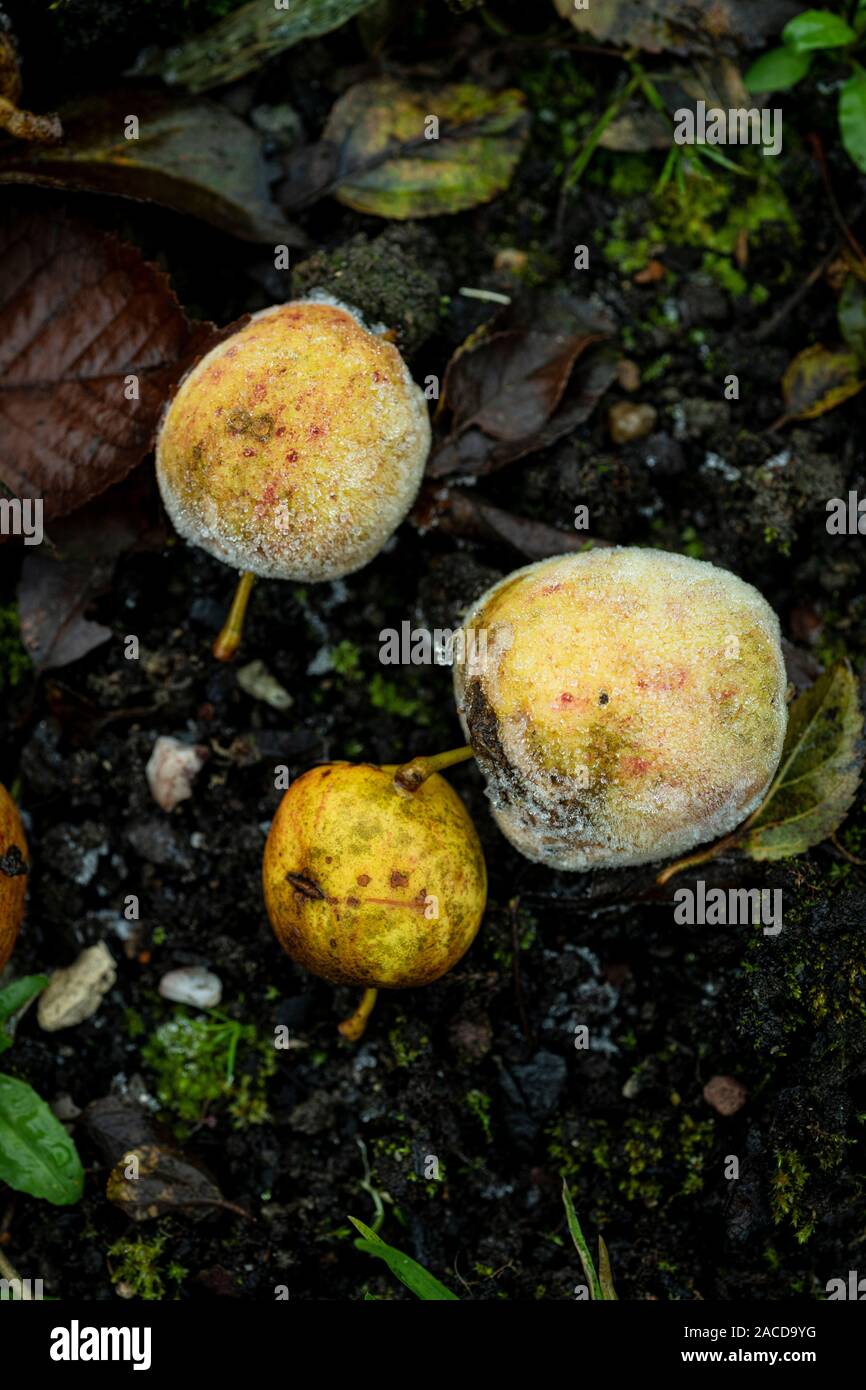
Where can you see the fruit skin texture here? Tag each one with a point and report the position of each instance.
(350, 866)
(296, 446)
(632, 705)
(13, 874)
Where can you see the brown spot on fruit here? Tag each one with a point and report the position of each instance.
(398, 880)
(362, 880)
(307, 887)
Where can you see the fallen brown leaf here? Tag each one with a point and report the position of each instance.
(458, 512)
(92, 339)
(518, 387)
(61, 578)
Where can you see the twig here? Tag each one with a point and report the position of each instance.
(821, 161)
(852, 858)
(768, 329)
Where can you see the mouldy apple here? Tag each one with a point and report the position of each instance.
(632, 705)
(13, 874)
(365, 885)
(294, 448)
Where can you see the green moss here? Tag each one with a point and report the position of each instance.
(136, 1264)
(651, 1159)
(14, 661)
(710, 214)
(384, 695)
(787, 1195)
(773, 539)
(346, 660)
(626, 175)
(478, 1103)
(656, 368)
(134, 1023)
(695, 1139)
(209, 1061)
(408, 1042)
(644, 1153)
(563, 103)
(692, 544)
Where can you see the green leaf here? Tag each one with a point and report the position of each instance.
(777, 70)
(817, 29)
(605, 1274)
(595, 1289)
(245, 40)
(852, 119)
(36, 1154)
(408, 1271)
(851, 313)
(387, 165)
(14, 997)
(818, 775)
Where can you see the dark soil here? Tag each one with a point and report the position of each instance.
(480, 1070)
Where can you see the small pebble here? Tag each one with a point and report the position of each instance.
(192, 984)
(257, 681)
(629, 421)
(75, 993)
(171, 770)
(628, 374)
(725, 1094)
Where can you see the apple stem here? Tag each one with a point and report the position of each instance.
(229, 639)
(352, 1028)
(729, 842)
(408, 778)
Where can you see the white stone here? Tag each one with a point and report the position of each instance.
(172, 769)
(192, 984)
(75, 993)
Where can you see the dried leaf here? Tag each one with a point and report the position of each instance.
(818, 380)
(510, 384)
(387, 164)
(116, 1124)
(84, 323)
(516, 391)
(59, 580)
(167, 1180)
(246, 39)
(194, 156)
(818, 774)
(23, 125)
(682, 26)
(458, 512)
(718, 83)
(148, 1181)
